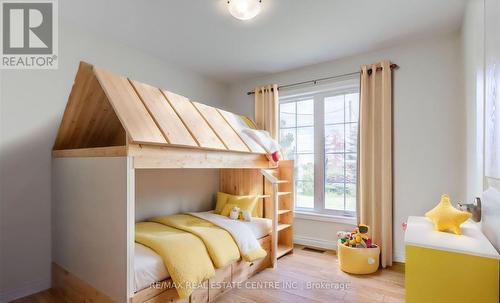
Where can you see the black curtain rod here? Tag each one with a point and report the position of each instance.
(393, 66)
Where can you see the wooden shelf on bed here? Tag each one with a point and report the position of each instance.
(284, 249)
(279, 184)
(282, 181)
(283, 193)
(283, 226)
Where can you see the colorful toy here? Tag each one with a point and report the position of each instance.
(356, 239)
(343, 234)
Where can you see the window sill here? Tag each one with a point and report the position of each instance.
(325, 218)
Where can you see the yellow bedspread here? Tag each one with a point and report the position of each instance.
(219, 243)
(184, 254)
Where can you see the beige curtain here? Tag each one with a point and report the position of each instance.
(266, 109)
(375, 156)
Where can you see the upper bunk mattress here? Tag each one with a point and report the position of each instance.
(149, 267)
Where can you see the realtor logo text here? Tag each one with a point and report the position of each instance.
(29, 34)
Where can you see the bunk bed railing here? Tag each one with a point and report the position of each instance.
(275, 205)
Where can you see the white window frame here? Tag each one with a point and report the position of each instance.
(318, 93)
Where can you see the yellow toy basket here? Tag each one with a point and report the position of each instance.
(358, 260)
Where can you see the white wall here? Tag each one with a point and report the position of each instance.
(90, 198)
(429, 127)
(472, 36)
(172, 191)
(32, 104)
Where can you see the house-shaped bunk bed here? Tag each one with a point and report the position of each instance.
(112, 127)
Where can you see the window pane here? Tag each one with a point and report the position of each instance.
(305, 113)
(305, 167)
(341, 144)
(297, 140)
(351, 167)
(334, 109)
(334, 196)
(351, 137)
(334, 166)
(350, 197)
(334, 138)
(305, 140)
(287, 114)
(288, 142)
(304, 194)
(352, 107)
(305, 180)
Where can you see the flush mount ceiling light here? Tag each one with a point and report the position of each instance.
(244, 9)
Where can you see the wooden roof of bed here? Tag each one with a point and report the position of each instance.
(111, 115)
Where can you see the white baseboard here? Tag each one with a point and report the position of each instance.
(315, 242)
(398, 256)
(27, 289)
(326, 244)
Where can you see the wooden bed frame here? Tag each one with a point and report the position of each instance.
(108, 115)
(114, 126)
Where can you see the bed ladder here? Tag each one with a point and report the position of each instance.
(275, 202)
(280, 178)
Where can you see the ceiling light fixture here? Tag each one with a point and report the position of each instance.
(244, 9)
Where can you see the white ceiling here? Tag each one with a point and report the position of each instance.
(202, 36)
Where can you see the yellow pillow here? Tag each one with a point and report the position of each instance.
(221, 201)
(446, 217)
(243, 202)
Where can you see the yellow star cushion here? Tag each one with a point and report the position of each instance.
(446, 217)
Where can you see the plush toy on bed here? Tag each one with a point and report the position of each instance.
(235, 213)
(247, 215)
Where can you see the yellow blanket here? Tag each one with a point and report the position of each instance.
(184, 254)
(219, 243)
(249, 246)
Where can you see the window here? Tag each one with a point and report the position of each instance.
(319, 130)
(297, 139)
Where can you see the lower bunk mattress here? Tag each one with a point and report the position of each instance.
(149, 267)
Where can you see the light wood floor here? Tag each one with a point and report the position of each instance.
(305, 266)
(327, 283)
